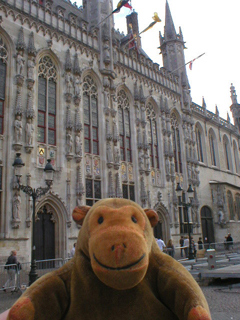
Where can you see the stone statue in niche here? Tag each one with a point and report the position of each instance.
(106, 52)
(68, 82)
(220, 216)
(30, 66)
(77, 83)
(167, 163)
(16, 206)
(172, 168)
(78, 144)
(147, 162)
(189, 171)
(141, 160)
(18, 129)
(20, 63)
(116, 155)
(29, 132)
(109, 153)
(69, 142)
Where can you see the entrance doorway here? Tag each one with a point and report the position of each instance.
(45, 235)
(158, 230)
(207, 226)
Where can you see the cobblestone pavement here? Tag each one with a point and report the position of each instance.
(224, 302)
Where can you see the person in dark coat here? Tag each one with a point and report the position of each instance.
(11, 266)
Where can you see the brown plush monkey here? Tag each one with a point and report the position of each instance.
(118, 272)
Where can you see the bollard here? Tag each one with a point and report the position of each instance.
(211, 258)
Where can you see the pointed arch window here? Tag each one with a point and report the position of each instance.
(90, 106)
(176, 144)
(124, 126)
(3, 72)
(152, 136)
(212, 149)
(236, 158)
(230, 205)
(199, 144)
(237, 201)
(47, 95)
(226, 152)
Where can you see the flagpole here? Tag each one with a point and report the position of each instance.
(97, 25)
(187, 63)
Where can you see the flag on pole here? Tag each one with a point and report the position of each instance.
(155, 20)
(122, 3)
(191, 62)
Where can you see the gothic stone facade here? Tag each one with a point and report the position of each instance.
(113, 123)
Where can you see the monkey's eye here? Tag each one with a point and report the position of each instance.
(100, 220)
(134, 219)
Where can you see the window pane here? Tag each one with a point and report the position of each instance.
(94, 112)
(41, 94)
(95, 133)
(121, 141)
(89, 202)
(129, 156)
(125, 191)
(127, 123)
(86, 109)
(51, 97)
(95, 147)
(89, 190)
(51, 122)
(1, 125)
(87, 146)
(128, 143)
(1, 108)
(51, 137)
(2, 79)
(41, 137)
(41, 119)
(122, 154)
(86, 132)
(120, 121)
(132, 193)
(97, 189)
(154, 132)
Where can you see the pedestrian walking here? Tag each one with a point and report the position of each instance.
(186, 246)
(200, 244)
(161, 244)
(12, 268)
(73, 250)
(170, 248)
(181, 242)
(229, 241)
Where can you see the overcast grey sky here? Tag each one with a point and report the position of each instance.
(210, 26)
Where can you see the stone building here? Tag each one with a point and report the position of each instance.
(113, 123)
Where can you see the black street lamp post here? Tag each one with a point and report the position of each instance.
(186, 205)
(34, 194)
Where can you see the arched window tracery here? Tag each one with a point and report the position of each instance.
(152, 136)
(47, 101)
(176, 144)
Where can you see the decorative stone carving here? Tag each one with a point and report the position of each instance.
(109, 155)
(31, 47)
(29, 132)
(20, 46)
(69, 143)
(18, 129)
(20, 61)
(116, 157)
(76, 84)
(16, 210)
(68, 82)
(111, 192)
(78, 144)
(30, 70)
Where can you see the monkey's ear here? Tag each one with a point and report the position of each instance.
(152, 216)
(79, 213)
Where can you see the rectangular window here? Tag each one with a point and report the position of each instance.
(93, 191)
(41, 126)
(2, 93)
(1, 116)
(51, 112)
(128, 192)
(42, 88)
(0, 178)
